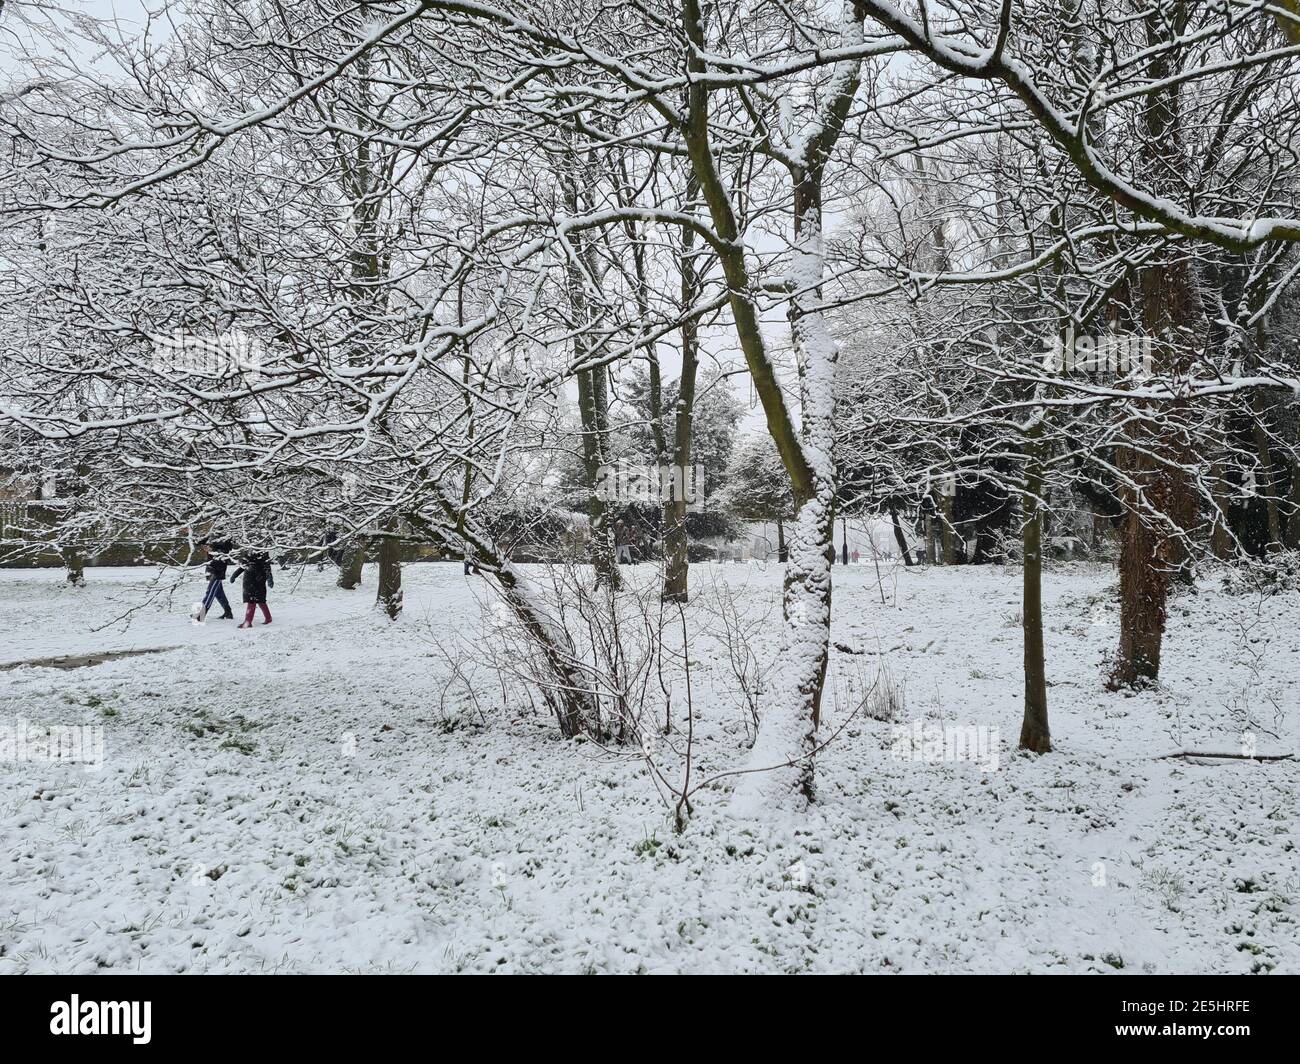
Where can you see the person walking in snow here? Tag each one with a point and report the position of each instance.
(215, 570)
(258, 577)
(624, 541)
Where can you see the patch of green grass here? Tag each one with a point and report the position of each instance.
(649, 845)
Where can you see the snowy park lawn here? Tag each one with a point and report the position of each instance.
(325, 795)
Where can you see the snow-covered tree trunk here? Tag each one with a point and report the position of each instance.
(783, 751)
(780, 769)
(567, 692)
(565, 688)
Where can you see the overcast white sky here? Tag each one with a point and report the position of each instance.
(22, 37)
(24, 27)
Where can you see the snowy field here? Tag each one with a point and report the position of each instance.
(324, 795)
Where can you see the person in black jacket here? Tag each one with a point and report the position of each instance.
(258, 576)
(218, 562)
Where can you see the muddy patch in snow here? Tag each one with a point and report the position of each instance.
(81, 661)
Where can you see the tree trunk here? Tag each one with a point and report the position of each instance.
(1159, 514)
(1289, 26)
(783, 750)
(1220, 527)
(1034, 732)
(350, 571)
(591, 404)
(389, 596)
(593, 394)
(1158, 497)
(74, 566)
(676, 553)
(1143, 591)
(567, 691)
(947, 530)
(899, 538)
(1292, 540)
(782, 551)
(781, 762)
(1266, 480)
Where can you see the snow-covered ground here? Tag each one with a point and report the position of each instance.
(324, 795)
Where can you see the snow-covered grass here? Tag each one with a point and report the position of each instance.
(323, 794)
